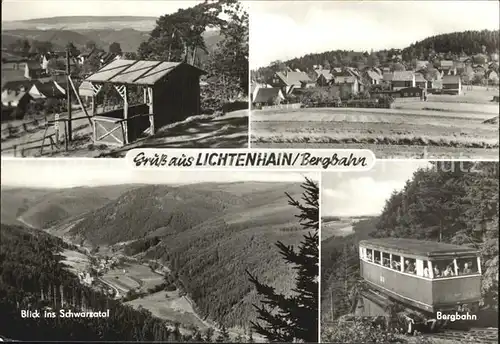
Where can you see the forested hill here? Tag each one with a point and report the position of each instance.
(468, 42)
(208, 235)
(31, 266)
(451, 45)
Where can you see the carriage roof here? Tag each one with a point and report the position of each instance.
(418, 247)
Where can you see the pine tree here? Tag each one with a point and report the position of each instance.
(295, 318)
(223, 336)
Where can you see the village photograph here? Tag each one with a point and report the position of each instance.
(171, 257)
(88, 80)
(409, 79)
(406, 245)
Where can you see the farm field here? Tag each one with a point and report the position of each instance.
(136, 276)
(204, 131)
(437, 128)
(170, 306)
(336, 228)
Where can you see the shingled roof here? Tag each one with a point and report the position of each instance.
(136, 72)
(265, 95)
(293, 78)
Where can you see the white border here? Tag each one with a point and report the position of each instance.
(319, 254)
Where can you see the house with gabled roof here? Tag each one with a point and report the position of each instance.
(420, 81)
(452, 83)
(323, 77)
(373, 77)
(47, 90)
(287, 81)
(400, 79)
(346, 86)
(492, 77)
(268, 96)
(447, 67)
(33, 70)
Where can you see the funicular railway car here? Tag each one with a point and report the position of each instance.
(420, 277)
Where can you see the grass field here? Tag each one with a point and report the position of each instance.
(335, 228)
(204, 131)
(444, 126)
(136, 276)
(77, 262)
(170, 306)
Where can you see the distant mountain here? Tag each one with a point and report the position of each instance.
(129, 38)
(209, 234)
(41, 208)
(83, 22)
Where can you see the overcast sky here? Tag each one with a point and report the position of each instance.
(63, 173)
(30, 9)
(281, 30)
(365, 193)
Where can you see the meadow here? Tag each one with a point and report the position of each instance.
(463, 126)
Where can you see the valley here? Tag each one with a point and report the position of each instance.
(178, 252)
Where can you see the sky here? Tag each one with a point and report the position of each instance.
(31, 9)
(365, 193)
(282, 30)
(65, 173)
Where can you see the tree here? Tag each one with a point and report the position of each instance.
(223, 336)
(25, 49)
(209, 333)
(90, 45)
(73, 51)
(115, 48)
(295, 318)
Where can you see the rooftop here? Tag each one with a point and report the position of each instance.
(418, 247)
(265, 95)
(136, 72)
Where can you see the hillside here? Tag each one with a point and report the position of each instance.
(456, 43)
(128, 37)
(208, 235)
(31, 268)
(83, 22)
(42, 208)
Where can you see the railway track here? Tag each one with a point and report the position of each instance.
(475, 335)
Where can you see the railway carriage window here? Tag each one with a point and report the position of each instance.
(446, 268)
(426, 269)
(410, 266)
(467, 266)
(376, 256)
(396, 262)
(369, 254)
(386, 259)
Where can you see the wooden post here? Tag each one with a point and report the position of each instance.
(125, 112)
(56, 127)
(95, 130)
(151, 115)
(68, 94)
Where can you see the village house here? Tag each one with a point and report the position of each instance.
(492, 77)
(33, 70)
(346, 86)
(47, 90)
(323, 77)
(400, 79)
(15, 99)
(254, 88)
(373, 77)
(420, 81)
(85, 55)
(420, 64)
(447, 67)
(268, 96)
(452, 83)
(287, 81)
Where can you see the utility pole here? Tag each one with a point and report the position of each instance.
(68, 93)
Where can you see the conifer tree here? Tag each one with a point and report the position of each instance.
(295, 318)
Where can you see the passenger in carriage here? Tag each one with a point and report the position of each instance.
(467, 270)
(437, 272)
(396, 265)
(410, 268)
(369, 257)
(448, 272)
(426, 272)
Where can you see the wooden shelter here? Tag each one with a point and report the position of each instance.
(171, 93)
